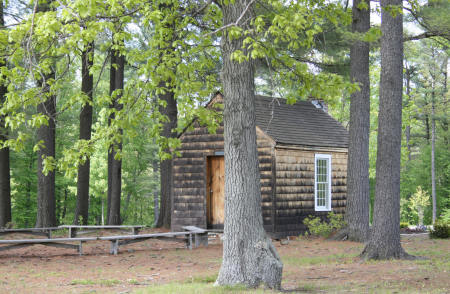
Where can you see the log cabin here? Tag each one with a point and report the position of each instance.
(302, 154)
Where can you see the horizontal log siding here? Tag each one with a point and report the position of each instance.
(295, 188)
(189, 175)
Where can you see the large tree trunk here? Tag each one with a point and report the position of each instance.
(358, 195)
(171, 111)
(115, 170)
(249, 256)
(87, 85)
(384, 242)
(5, 177)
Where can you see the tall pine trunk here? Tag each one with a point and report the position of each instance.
(87, 85)
(5, 176)
(171, 111)
(358, 195)
(249, 256)
(115, 165)
(384, 241)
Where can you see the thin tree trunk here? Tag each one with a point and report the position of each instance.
(249, 256)
(116, 164)
(64, 210)
(171, 111)
(433, 143)
(46, 183)
(5, 176)
(155, 165)
(46, 133)
(28, 194)
(408, 73)
(384, 241)
(112, 87)
(358, 187)
(87, 85)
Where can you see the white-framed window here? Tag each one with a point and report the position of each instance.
(322, 182)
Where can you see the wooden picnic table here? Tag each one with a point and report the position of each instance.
(30, 231)
(76, 229)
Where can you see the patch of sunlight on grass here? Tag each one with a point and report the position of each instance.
(199, 288)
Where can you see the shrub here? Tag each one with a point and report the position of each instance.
(404, 225)
(317, 227)
(441, 229)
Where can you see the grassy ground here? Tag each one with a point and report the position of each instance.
(310, 266)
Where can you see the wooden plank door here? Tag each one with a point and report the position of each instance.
(215, 191)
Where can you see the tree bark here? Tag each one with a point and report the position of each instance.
(5, 176)
(384, 241)
(171, 111)
(115, 171)
(358, 195)
(249, 256)
(87, 86)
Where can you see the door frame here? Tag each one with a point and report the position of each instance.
(207, 191)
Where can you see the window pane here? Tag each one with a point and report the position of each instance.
(322, 183)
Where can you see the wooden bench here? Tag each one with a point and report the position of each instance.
(30, 231)
(57, 242)
(74, 229)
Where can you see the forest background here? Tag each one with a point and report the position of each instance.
(32, 44)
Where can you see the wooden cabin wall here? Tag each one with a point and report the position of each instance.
(295, 188)
(189, 177)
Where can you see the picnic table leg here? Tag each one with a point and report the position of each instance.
(114, 247)
(80, 248)
(135, 231)
(189, 245)
(49, 234)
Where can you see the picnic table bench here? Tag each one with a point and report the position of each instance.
(117, 241)
(30, 231)
(74, 230)
(57, 242)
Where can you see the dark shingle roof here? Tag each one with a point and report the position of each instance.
(299, 124)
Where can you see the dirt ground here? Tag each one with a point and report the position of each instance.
(310, 265)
